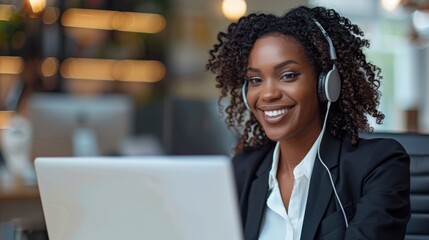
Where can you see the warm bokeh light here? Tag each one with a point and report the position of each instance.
(107, 69)
(51, 15)
(390, 5)
(138, 22)
(11, 65)
(88, 18)
(37, 6)
(49, 67)
(5, 117)
(89, 69)
(139, 71)
(234, 9)
(113, 20)
(6, 12)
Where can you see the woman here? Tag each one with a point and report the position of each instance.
(302, 171)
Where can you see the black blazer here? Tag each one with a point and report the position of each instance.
(372, 179)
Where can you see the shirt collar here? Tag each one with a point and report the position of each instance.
(304, 168)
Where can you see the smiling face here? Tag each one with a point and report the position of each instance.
(282, 89)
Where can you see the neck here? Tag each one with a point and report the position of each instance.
(293, 151)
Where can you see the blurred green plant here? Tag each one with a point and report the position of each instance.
(9, 30)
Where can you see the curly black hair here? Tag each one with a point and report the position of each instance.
(360, 79)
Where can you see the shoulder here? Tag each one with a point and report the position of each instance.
(251, 158)
(376, 179)
(246, 164)
(380, 147)
(377, 154)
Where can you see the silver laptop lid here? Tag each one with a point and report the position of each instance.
(139, 198)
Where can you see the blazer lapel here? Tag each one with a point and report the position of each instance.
(257, 199)
(320, 190)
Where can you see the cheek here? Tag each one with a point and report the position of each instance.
(308, 89)
(307, 96)
(310, 94)
(301, 92)
(310, 102)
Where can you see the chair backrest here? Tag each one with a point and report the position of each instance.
(417, 146)
(196, 128)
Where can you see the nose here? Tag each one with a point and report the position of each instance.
(270, 91)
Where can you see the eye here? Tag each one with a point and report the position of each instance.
(289, 76)
(254, 80)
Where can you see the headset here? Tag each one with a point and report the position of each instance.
(328, 90)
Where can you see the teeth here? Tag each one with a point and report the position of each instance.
(275, 113)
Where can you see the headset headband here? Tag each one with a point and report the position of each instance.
(332, 53)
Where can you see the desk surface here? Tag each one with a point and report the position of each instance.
(22, 203)
(16, 190)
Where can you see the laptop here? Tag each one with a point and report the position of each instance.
(159, 197)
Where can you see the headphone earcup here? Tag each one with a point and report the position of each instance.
(321, 87)
(332, 85)
(244, 95)
(329, 86)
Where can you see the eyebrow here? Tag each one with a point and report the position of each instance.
(280, 65)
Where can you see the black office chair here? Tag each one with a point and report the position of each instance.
(417, 146)
(194, 127)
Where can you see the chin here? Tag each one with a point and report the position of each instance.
(274, 135)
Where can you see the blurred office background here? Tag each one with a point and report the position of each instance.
(105, 77)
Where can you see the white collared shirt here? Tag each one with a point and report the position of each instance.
(277, 222)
